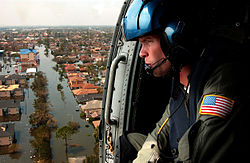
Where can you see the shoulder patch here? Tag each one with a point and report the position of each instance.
(216, 105)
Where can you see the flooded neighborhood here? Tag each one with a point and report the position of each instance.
(51, 84)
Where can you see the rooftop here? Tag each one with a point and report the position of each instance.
(85, 98)
(27, 51)
(9, 103)
(7, 130)
(96, 123)
(84, 91)
(8, 88)
(12, 76)
(93, 104)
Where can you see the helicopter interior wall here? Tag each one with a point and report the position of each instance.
(151, 96)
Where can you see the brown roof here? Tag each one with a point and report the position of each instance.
(88, 86)
(24, 59)
(76, 78)
(96, 123)
(84, 86)
(69, 65)
(71, 74)
(78, 92)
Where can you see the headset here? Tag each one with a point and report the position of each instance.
(149, 16)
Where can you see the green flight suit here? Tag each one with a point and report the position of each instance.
(211, 138)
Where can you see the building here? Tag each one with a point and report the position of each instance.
(29, 54)
(27, 51)
(7, 134)
(74, 74)
(69, 68)
(96, 123)
(76, 81)
(12, 79)
(78, 92)
(28, 58)
(82, 99)
(92, 108)
(31, 71)
(9, 107)
(8, 91)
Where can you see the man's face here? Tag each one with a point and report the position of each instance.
(151, 51)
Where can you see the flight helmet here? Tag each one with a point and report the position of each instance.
(146, 17)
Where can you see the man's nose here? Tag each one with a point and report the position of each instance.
(143, 52)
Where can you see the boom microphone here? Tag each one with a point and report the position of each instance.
(150, 70)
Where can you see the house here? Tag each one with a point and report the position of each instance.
(78, 92)
(95, 50)
(74, 74)
(31, 71)
(12, 79)
(28, 57)
(84, 89)
(72, 56)
(92, 108)
(86, 59)
(18, 92)
(83, 69)
(4, 93)
(85, 98)
(75, 81)
(29, 54)
(27, 51)
(7, 91)
(96, 123)
(69, 68)
(89, 86)
(98, 57)
(7, 134)
(9, 107)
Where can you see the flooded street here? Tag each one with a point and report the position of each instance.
(64, 110)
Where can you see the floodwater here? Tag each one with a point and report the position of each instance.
(64, 110)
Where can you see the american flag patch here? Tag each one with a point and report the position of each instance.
(216, 105)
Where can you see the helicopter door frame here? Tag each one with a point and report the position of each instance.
(117, 92)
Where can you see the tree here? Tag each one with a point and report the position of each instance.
(59, 87)
(41, 120)
(64, 133)
(74, 125)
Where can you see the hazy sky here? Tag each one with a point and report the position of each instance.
(59, 12)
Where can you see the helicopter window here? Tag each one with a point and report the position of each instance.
(150, 98)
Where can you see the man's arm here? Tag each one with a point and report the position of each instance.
(150, 150)
(218, 133)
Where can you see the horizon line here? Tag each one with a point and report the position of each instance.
(4, 26)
